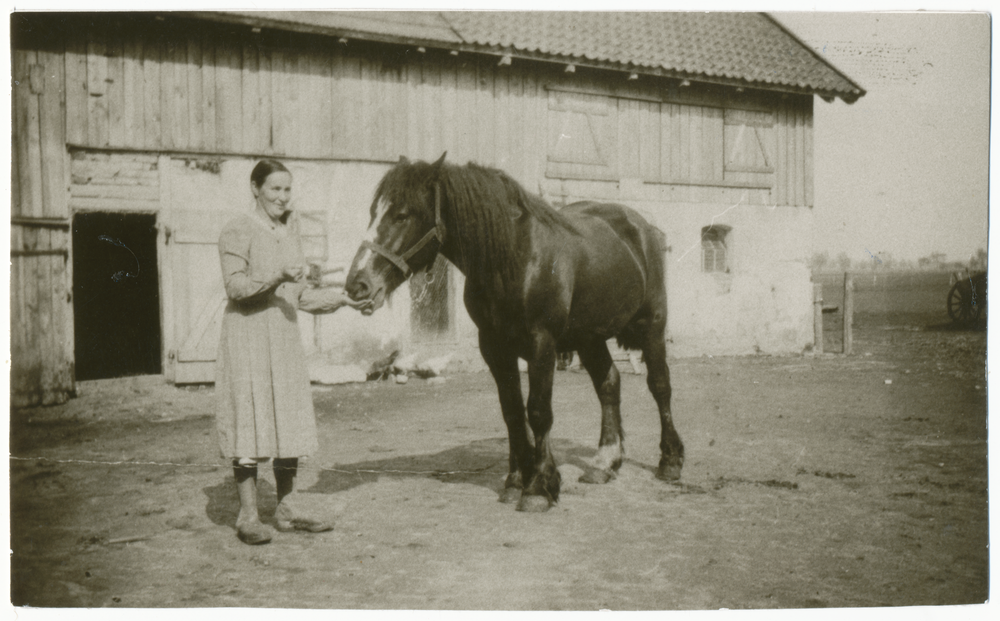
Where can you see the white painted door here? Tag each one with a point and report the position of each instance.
(202, 195)
(199, 297)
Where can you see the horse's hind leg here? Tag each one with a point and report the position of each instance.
(610, 451)
(658, 379)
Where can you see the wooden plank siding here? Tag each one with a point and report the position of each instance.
(229, 115)
(97, 73)
(152, 106)
(76, 87)
(40, 322)
(114, 88)
(807, 156)
(38, 139)
(218, 91)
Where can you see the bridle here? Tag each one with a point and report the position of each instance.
(400, 260)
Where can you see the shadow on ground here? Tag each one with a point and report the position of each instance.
(223, 504)
(481, 462)
(951, 326)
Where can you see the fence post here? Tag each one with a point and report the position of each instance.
(818, 318)
(848, 313)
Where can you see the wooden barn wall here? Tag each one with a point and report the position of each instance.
(41, 322)
(202, 88)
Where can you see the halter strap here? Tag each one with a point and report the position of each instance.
(400, 260)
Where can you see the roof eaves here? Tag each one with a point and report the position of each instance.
(273, 20)
(856, 92)
(655, 71)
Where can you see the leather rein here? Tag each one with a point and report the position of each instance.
(400, 260)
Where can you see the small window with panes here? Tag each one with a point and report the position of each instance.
(714, 253)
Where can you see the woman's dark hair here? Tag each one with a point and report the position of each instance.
(264, 169)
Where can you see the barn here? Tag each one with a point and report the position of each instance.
(134, 135)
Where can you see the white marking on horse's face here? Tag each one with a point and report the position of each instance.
(365, 257)
(380, 211)
(372, 233)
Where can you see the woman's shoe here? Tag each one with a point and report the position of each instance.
(287, 519)
(253, 532)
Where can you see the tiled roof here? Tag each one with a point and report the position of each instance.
(395, 26)
(749, 49)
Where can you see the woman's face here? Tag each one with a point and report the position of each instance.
(274, 194)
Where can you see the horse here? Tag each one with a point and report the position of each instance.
(538, 281)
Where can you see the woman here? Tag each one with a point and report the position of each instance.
(265, 408)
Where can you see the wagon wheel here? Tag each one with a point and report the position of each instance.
(962, 303)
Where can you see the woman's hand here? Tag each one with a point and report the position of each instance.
(361, 305)
(292, 273)
(324, 300)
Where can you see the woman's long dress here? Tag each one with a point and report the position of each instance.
(264, 402)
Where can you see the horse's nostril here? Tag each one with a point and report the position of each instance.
(358, 289)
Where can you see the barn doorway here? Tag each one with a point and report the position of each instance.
(116, 295)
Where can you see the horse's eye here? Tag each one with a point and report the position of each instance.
(401, 216)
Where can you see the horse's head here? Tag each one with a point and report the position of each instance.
(404, 235)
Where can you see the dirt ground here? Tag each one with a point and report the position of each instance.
(810, 481)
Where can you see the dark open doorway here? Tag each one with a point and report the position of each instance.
(116, 295)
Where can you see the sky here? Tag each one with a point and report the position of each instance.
(904, 171)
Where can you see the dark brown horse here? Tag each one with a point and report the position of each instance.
(538, 281)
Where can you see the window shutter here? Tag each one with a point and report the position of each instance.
(582, 143)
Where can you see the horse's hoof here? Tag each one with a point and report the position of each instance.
(668, 472)
(509, 495)
(595, 476)
(533, 504)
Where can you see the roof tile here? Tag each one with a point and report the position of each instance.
(750, 47)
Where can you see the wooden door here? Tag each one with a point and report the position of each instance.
(199, 297)
(200, 196)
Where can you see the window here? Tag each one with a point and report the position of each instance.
(313, 233)
(713, 249)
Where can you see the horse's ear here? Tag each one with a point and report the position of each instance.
(440, 162)
(403, 160)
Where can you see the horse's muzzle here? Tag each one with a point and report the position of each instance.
(359, 287)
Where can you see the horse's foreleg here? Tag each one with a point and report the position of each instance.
(543, 488)
(610, 451)
(658, 379)
(502, 362)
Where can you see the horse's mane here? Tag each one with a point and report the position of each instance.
(485, 205)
